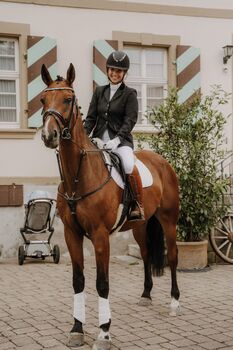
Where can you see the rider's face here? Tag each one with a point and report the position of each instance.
(115, 75)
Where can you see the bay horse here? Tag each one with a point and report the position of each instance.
(88, 201)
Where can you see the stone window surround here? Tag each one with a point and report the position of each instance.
(19, 31)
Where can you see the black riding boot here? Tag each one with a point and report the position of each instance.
(137, 211)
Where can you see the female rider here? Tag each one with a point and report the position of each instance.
(112, 114)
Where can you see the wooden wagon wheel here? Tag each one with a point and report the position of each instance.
(221, 238)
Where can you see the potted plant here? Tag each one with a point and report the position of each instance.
(190, 137)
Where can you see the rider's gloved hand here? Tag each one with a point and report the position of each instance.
(112, 144)
(98, 142)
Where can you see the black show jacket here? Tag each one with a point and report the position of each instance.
(118, 116)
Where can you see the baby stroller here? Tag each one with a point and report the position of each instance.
(39, 217)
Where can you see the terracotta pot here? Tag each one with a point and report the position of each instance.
(192, 255)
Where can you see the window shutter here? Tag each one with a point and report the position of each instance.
(40, 50)
(101, 51)
(188, 72)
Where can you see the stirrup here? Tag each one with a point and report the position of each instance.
(136, 214)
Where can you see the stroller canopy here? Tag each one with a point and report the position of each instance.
(39, 194)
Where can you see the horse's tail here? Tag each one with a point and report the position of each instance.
(155, 245)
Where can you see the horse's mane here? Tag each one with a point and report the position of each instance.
(59, 78)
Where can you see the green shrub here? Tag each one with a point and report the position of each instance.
(191, 138)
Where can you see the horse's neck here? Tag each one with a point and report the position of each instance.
(78, 163)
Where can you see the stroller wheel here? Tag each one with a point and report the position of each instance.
(56, 254)
(21, 255)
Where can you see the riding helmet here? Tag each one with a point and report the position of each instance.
(119, 60)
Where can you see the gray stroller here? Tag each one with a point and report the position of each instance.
(39, 217)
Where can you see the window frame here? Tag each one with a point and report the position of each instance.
(146, 82)
(19, 31)
(169, 42)
(13, 76)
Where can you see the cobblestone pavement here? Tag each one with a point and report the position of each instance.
(36, 307)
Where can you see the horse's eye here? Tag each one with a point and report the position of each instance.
(42, 100)
(67, 100)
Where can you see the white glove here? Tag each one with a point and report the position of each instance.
(112, 144)
(99, 143)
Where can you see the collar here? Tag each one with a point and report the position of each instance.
(115, 87)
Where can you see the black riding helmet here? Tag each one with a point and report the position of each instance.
(118, 60)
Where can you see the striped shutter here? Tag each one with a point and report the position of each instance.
(40, 50)
(101, 51)
(188, 72)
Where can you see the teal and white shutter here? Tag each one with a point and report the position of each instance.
(40, 50)
(188, 72)
(101, 51)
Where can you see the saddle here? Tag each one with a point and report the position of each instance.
(114, 164)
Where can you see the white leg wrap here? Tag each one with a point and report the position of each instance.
(104, 311)
(79, 307)
(175, 307)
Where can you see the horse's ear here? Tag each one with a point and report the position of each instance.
(45, 75)
(70, 74)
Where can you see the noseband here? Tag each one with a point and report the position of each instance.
(60, 120)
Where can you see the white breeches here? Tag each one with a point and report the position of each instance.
(127, 156)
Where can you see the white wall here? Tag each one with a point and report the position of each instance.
(188, 3)
(27, 158)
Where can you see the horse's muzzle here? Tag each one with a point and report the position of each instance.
(50, 140)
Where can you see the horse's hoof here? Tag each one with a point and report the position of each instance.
(103, 344)
(75, 339)
(145, 301)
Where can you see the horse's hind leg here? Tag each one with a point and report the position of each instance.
(74, 243)
(140, 235)
(172, 257)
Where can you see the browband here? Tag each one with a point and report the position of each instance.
(59, 88)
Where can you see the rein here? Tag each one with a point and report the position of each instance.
(73, 199)
(66, 135)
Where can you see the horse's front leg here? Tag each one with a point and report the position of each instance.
(102, 251)
(74, 242)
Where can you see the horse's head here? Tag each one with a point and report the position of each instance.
(59, 104)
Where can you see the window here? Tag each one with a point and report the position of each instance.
(9, 83)
(148, 75)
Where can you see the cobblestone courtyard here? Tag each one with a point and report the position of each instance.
(36, 302)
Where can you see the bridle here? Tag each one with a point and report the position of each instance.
(65, 132)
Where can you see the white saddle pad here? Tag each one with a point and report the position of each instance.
(146, 177)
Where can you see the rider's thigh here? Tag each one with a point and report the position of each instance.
(127, 156)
